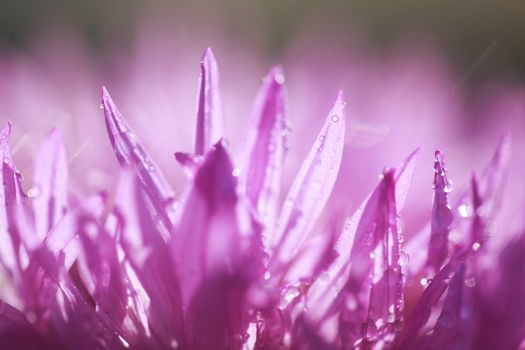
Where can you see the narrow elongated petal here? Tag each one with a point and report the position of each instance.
(217, 258)
(265, 148)
(328, 292)
(130, 152)
(501, 309)
(209, 109)
(50, 184)
(7, 252)
(452, 327)
(403, 177)
(494, 177)
(12, 201)
(442, 216)
(411, 337)
(152, 268)
(17, 333)
(311, 188)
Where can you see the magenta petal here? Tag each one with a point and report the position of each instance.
(403, 178)
(50, 178)
(494, 177)
(442, 216)
(12, 208)
(217, 256)
(311, 188)
(209, 109)
(353, 248)
(452, 327)
(264, 151)
(17, 333)
(151, 267)
(208, 218)
(420, 315)
(129, 151)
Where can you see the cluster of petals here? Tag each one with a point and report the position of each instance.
(234, 263)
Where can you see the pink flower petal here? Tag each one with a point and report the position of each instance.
(209, 109)
(264, 148)
(442, 216)
(311, 188)
(129, 151)
(50, 178)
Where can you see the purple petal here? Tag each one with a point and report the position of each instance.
(209, 109)
(216, 255)
(151, 268)
(500, 308)
(17, 333)
(404, 178)
(129, 151)
(494, 177)
(442, 216)
(311, 188)
(428, 300)
(50, 178)
(12, 206)
(355, 235)
(265, 148)
(451, 329)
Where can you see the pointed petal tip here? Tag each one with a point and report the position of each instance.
(208, 57)
(276, 75)
(6, 130)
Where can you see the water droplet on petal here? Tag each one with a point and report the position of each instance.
(464, 210)
(174, 343)
(372, 255)
(321, 138)
(404, 258)
(279, 79)
(476, 246)
(335, 118)
(123, 341)
(449, 186)
(379, 323)
(291, 294)
(236, 172)
(33, 192)
(470, 282)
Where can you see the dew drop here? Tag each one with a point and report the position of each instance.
(424, 281)
(279, 79)
(476, 246)
(372, 255)
(379, 323)
(101, 106)
(123, 341)
(291, 294)
(470, 282)
(174, 343)
(335, 118)
(449, 186)
(33, 192)
(236, 172)
(321, 138)
(404, 258)
(464, 210)
(267, 275)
